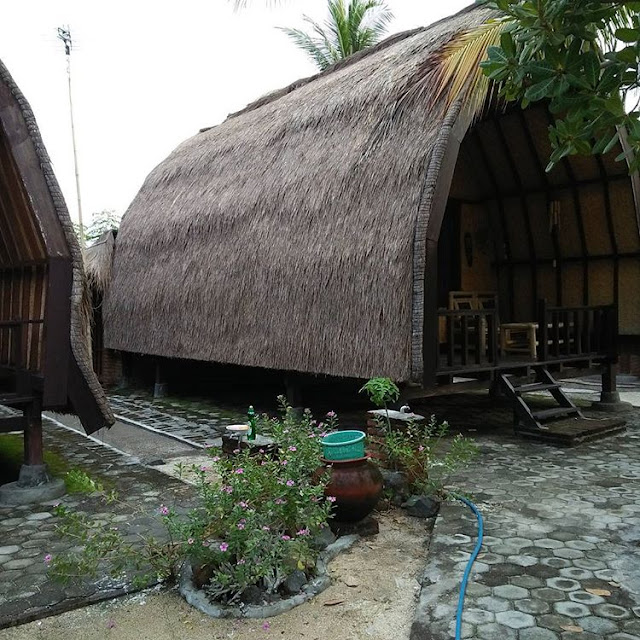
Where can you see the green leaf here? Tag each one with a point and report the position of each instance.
(591, 68)
(628, 35)
(540, 90)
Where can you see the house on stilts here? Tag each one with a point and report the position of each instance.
(355, 224)
(44, 312)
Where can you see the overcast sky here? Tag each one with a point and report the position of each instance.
(147, 75)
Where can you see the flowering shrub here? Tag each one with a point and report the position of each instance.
(426, 455)
(255, 520)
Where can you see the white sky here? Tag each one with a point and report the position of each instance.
(147, 75)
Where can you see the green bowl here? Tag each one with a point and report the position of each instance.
(343, 445)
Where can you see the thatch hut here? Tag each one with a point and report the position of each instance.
(322, 229)
(44, 311)
(98, 262)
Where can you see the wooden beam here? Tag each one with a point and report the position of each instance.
(525, 210)
(503, 223)
(612, 231)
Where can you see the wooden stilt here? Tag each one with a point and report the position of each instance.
(32, 417)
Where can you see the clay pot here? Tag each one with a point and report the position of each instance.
(356, 485)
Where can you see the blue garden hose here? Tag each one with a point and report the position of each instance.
(474, 555)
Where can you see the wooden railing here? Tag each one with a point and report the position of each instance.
(565, 332)
(471, 338)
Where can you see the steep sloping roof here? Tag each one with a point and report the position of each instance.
(98, 261)
(284, 237)
(49, 218)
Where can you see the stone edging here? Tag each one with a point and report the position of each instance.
(198, 599)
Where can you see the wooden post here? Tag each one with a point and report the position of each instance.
(543, 353)
(33, 448)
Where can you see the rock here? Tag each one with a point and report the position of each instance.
(294, 582)
(422, 506)
(324, 538)
(395, 481)
(152, 461)
(252, 595)
(350, 581)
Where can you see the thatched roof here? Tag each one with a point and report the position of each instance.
(49, 205)
(290, 236)
(98, 262)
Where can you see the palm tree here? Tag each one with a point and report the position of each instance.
(352, 25)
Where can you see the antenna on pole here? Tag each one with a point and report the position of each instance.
(64, 34)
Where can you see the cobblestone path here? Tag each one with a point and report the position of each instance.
(28, 533)
(561, 556)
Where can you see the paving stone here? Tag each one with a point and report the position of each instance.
(526, 582)
(18, 564)
(599, 626)
(548, 543)
(576, 573)
(493, 604)
(555, 622)
(40, 516)
(515, 619)
(585, 597)
(9, 550)
(537, 633)
(571, 609)
(523, 561)
(477, 616)
(563, 584)
(532, 606)
(611, 611)
(494, 631)
(510, 592)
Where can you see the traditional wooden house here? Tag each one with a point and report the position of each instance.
(353, 224)
(44, 354)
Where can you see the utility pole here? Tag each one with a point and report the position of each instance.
(65, 36)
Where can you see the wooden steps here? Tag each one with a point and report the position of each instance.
(563, 424)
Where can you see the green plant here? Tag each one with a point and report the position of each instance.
(254, 522)
(351, 27)
(382, 392)
(426, 455)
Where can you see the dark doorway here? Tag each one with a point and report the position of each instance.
(449, 253)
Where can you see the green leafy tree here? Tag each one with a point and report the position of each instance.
(352, 26)
(582, 57)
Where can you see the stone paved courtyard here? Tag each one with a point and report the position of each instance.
(561, 559)
(28, 533)
(561, 556)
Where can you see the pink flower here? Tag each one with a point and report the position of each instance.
(190, 541)
(224, 546)
(311, 435)
(331, 414)
(323, 434)
(239, 470)
(320, 425)
(260, 450)
(285, 538)
(236, 451)
(205, 543)
(284, 463)
(266, 626)
(241, 561)
(227, 489)
(290, 483)
(420, 448)
(48, 558)
(111, 624)
(164, 510)
(243, 504)
(240, 525)
(204, 468)
(265, 528)
(215, 459)
(331, 498)
(293, 449)
(303, 532)
(279, 501)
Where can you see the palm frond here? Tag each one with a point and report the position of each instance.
(459, 72)
(311, 47)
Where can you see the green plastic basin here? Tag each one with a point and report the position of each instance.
(343, 445)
